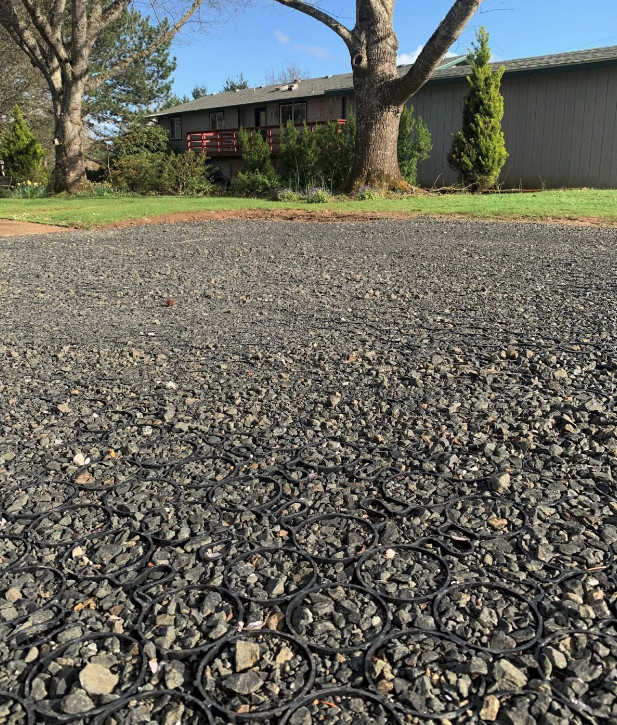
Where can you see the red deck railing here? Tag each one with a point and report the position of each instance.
(225, 142)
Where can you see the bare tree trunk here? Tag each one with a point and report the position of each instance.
(373, 50)
(70, 169)
(375, 161)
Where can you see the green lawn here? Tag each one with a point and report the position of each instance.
(579, 204)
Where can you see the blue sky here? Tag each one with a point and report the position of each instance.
(267, 35)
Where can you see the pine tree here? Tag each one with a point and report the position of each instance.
(414, 144)
(478, 152)
(21, 152)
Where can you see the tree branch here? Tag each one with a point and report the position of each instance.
(94, 83)
(112, 12)
(437, 46)
(51, 38)
(324, 18)
(23, 37)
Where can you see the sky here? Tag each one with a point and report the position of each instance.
(267, 36)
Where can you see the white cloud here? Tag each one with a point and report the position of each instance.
(408, 58)
(281, 37)
(317, 50)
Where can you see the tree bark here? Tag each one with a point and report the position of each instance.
(70, 168)
(375, 161)
(373, 58)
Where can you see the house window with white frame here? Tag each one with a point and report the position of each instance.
(217, 120)
(175, 128)
(295, 112)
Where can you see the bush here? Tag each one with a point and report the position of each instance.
(255, 153)
(414, 144)
(21, 152)
(335, 150)
(297, 157)
(189, 174)
(478, 152)
(288, 195)
(323, 156)
(141, 140)
(139, 173)
(317, 195)
(252, 183)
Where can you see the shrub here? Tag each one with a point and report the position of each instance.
(252, 183)
(188, 174)
(139, 173)
(288, 195)
(141, 140)
(335, 149)
(478, 151)
(414, 144)
(317, 195)
(297, 157)
(255, 153)
(21, 152)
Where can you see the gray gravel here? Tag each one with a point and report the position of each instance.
(201, 424)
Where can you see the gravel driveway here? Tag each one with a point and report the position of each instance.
(309, 473)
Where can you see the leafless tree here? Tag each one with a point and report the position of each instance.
(289, 71)
(379, 91)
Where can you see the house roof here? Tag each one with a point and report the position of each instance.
(343, 83)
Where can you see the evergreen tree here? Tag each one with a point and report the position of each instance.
(199, 91)
(414, 144)
(255, 153)
(139, 88)
(478, 151)
(235, 84)
(21, 152)
(297, 161)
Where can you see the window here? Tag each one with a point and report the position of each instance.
(295, 112)
(217, 120)
(175, 128)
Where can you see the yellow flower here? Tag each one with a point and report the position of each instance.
(29, 182)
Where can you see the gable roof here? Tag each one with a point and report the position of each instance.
(343, 83)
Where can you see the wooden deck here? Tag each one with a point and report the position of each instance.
(225, 142)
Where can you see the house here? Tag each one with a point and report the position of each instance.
(210, 124)
(560, 118)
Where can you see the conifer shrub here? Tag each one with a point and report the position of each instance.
(478, 151)
(21, 152)
(414, 144)
(297, 156)
(255, 152)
